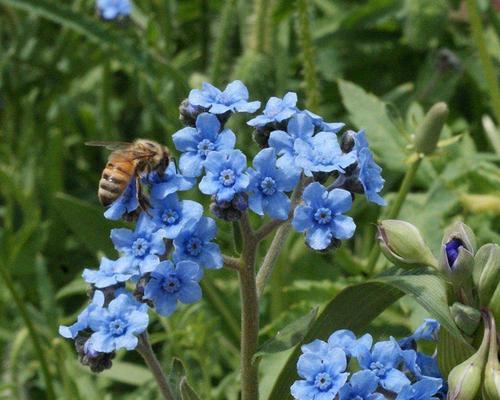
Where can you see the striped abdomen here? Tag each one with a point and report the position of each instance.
(115, 179)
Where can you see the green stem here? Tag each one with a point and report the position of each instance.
(249, 313)
(105, 97)
(487, 64)
(34, 335)
(145, 350)
(308, 56)
(259, 26)
(394, 210)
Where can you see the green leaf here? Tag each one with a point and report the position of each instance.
(369, 112)
(76, 287)
(357, 305)
(187, 392)
(177, 373)
(289, 336)
(451, 351)
(129, 373)
(87, 223)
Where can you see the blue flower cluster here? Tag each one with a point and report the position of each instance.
(163, 258)
(349, 368)
(112, 9)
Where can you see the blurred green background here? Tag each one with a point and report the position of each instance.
(67, 77)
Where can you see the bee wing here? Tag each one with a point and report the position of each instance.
(109, 145)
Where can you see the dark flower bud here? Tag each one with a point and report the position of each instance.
(188, 113)
(109, 292)
(96, 361)
(347, 141)
(230, 210)
(261, 133)
(139, 290)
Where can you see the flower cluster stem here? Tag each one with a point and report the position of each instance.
(405, 187)
(145, 350)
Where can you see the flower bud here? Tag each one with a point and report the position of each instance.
(491, 381)
(487, 266)
(429, 130)
(188, 113)
(494, 304)
(464, 381)
(230, 210)
(347, 141)
(467, 318)
(402, 243)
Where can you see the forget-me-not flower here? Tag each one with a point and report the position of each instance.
(361, 386)
(111, 9)
(169, 182)
(424, 389)
(234, 98)
(126, 203)
(383, 360)
(427, 331)
(226, 174)
(173, 215)
(141, 247)
(268, 185)
(195, 244)
(82, 323)
(118, 325)
(323, 375)
(369, 171)
(109, 273)
(347, 341)
(276, 110)
(323, 126)
(197, 143)
(170, 283)
(321, 216)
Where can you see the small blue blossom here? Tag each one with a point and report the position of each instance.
(126, 203)
(170, 283)
(384, 360)
(321, 216)
(421, 390)
(427, 331)
(369, 171)
(141, 247)
(173, 215)
(225, 175)
(323, 126)
(108, 274)
(82, 323)
(195, 244)
(111, 9)
(361, 386)
(276, 110)
(234, 98)
(169, 182)
(118, 325)
(197, 143)
(323, 375)
(347, 341)
(268, 184)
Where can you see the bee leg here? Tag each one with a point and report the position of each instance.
(144, 203)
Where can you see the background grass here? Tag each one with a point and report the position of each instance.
(67, 77)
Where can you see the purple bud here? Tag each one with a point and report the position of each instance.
(452, 250)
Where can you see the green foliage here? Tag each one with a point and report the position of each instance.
(67, 77)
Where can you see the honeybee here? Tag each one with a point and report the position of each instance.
(126, 162)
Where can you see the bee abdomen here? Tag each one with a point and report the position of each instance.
(114, 181)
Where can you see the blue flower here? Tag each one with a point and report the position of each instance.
(361, 386)
(384, 360)
(452, 249)
(321, 216)
(268, 184)
(169, 182)
(347, 341)
(421, 390)
(300, 127)
(126, 203)
(234, 98)
(427, 331)
(323, 126)
(369, 172)
(169, 284)
(111, 9)
(323, 375)
(116, 326)
(195, 244)
(197, 143)
(322, 153)
(108, 274)
(225, 174)
(141, 248)
(82, 323)
(173, 215)
(276, 110)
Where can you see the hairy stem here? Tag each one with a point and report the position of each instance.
(394, 210)
(145, 350)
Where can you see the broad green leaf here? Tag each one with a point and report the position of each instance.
(76, 287)
(357, 305)
(187, 392)
(289, 336)
(87, 223)
(369, 112)
(129, 373)
(451, 351)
